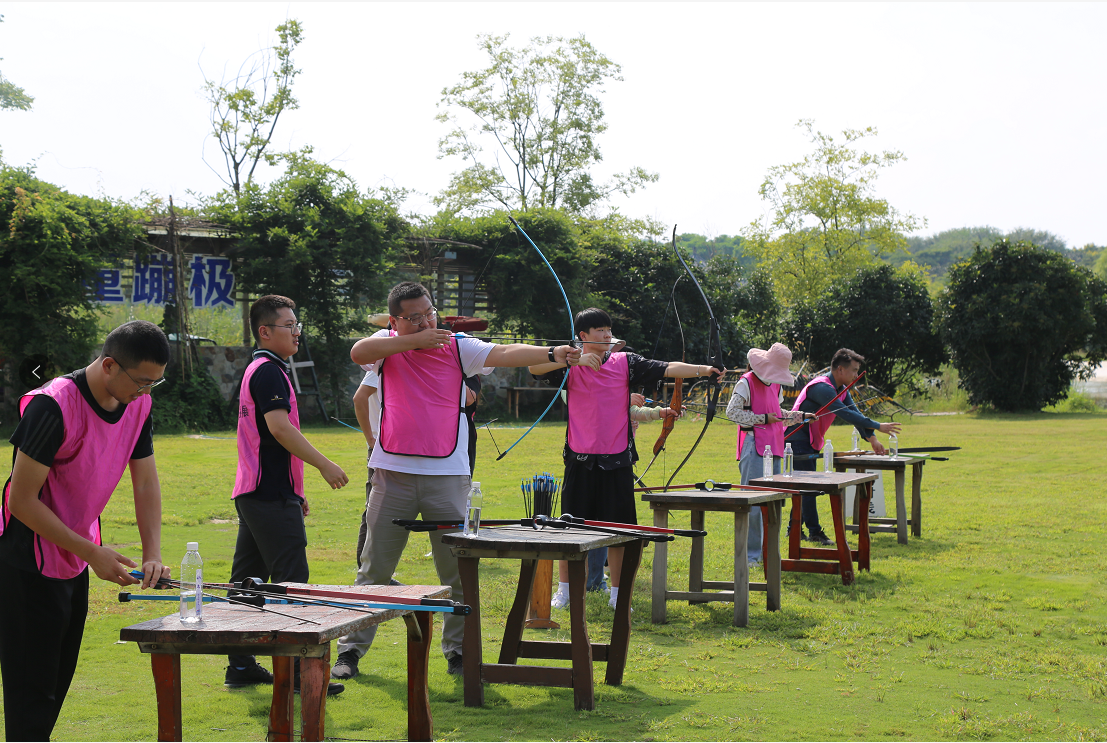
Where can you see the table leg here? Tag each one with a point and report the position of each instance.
(167, 686)
(845, 559)
(584, 694)
(315, 675)
(420, 629)
(795, 523)
(660, 569)
(864, 539)
(901, 507)
(620, 629)
(280, 714)
(695, 560)
(916, 498)
(471, 644)
(513, 632)
(770, 553)
(741, 566)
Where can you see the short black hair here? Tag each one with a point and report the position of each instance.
(845, 357)
(264, 312)
(405, 290)
(136, 341)
(593, 317)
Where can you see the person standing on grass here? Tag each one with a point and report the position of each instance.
(421, 463)
(845, 367)
(76, 436)
(755, 406)
(269, 485)
(599, 479)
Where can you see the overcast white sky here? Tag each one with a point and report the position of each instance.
(999, 108)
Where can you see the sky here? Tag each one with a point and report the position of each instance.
(999, 108)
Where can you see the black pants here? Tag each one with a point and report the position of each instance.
(809, 514)
(41, 625)
(272, 545)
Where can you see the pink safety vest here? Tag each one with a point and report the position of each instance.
(87, 468)
(763, 399)
(421, 401)
(599, 407)
(817, 429)
(248, 476)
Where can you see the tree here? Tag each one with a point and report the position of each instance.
(538, 112)
(51, 246)
(882, 313)
(1100, 269)
(826, 221)
(1022, 323)
(13, 97)
(312, 236)
(245, 110)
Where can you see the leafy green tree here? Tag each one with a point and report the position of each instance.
(884, 314)
(538, 113)
(826, 221)
(1101, 265)
(245, 109)
(13, 97)
(312, 236)
(51, 246)
(1022, 323)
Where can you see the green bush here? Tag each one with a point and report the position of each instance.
(190, 402)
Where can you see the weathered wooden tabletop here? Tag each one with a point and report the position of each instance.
(569, 544)
(721, 499)
(824, 482)
(877, 462)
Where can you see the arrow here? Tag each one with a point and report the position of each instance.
(35, 371)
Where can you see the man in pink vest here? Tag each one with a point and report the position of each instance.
(76, 436)
(421, 458)
(845, 366)
(269, 485)
(599, 453)
(755, 406)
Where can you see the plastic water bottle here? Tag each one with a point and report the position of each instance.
(767, 462)
(788, 463)
(472, 509)
(828, 456)
(192, 584)
(855, 445)
(893, 445)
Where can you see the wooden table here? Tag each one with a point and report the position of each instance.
(228, 629)
(840, 558)
(899, 466)
(739, 504)
(529, 546)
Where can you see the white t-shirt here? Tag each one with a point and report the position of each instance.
(372, 380)
(473, 352)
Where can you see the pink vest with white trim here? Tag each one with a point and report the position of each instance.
(599, 407)
(818, 429)
(763, 399)
(248, 476)
(86, 470)
(421, 402)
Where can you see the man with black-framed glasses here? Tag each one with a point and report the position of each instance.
(76, 436)
(269, 485)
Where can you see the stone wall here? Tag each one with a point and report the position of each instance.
(225, 364)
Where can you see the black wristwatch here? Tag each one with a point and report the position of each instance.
(552, 359)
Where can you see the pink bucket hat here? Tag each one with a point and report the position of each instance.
(772, 365)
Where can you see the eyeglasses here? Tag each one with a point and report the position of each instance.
(141, 386)
(295, 329)
(417, 318)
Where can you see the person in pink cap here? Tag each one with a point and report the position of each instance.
(755, 405)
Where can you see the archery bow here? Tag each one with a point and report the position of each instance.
(676, 401)
(715, 359)
(840, 396)
(565, 296)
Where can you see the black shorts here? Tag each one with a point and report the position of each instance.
(597, 494)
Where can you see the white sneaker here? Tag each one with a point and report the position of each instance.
(612, 602)
(560, 600)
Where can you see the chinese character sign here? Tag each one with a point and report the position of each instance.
(109, 286)
(154, 280)
(210, 282)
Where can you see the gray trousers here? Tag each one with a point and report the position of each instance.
(396, 495)
(751, 466)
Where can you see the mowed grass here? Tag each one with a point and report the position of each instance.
(992, 625)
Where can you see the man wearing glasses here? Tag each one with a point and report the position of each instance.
(421, 459)
(269, 485)
(76, 436)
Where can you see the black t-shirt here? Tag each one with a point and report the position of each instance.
(39, 435)
(271, 390)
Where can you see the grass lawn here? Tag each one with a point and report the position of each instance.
(993, 625)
